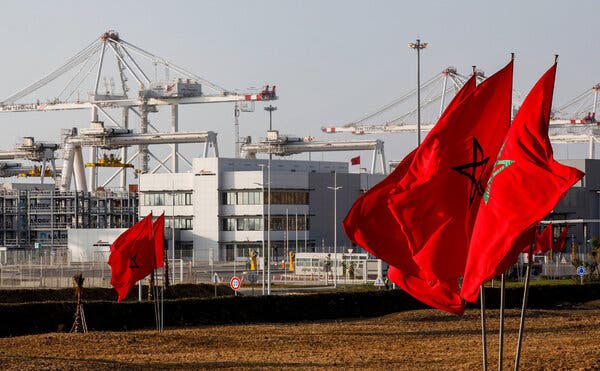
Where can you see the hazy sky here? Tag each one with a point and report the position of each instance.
(332, 61)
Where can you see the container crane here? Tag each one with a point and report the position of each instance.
(81, 76)
(435, 91)
(116, 138)
(34, 151)
(283, 145)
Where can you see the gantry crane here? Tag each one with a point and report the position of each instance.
(116, 138)
(34, 151)
(283, 145)
(177, 86)
(573, 122)
(435, 92)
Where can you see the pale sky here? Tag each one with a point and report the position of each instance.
(332, 61)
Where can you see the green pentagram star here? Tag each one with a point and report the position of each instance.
(503, 164)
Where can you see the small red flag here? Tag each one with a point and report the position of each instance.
(132, 256)
(371, 225)
(526, 184)
(543, 242)
(355, 160)
(559, 245)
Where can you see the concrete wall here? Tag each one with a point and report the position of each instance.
(91, 245)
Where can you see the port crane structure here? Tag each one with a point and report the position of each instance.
(87, 81)
(29, 149)
(573, 122)
(118, 138)
(284, 145)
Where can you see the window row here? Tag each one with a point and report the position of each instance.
(242, 224)
(241, 198)
(278, 223)
(166, 199)
(180, 222)
(256, 197)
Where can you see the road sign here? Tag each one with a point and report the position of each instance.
(235, 283)
(36, 245)
(379, 282)
(581, 270)
(216, 278)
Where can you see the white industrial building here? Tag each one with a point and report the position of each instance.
(218, 208)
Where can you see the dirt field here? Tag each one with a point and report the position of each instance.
(563, 339)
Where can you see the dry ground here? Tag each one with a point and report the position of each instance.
(562, 339)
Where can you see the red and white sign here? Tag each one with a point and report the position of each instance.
(235, 283)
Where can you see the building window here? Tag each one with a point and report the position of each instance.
(289, 223)
(289, 197)
(166, 198)
(249, 224)
(228, 198)
(181, 222)
(228, 224)
(184, 250)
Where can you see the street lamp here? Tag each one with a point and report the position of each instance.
(334, 189)
(271, 108)
(262, 196)
(418, 46)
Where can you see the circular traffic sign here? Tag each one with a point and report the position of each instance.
(581, 270)
(235, 283)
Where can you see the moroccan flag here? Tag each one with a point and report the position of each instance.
(437, 202)
(526, 184)
(132, 256)
(543, 241)
(355, 160)
(158, 227)
(559, 245)
(371, 225)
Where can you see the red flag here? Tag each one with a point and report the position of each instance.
(132, 256)
(559, 245)
(158, 227)
(543, 241)
(355, 160)
(437, 202)
(526, 184)
(371, 225)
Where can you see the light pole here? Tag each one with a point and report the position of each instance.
(334, 189)
(418, 46)
(270, 109)
(262, 207)
(269, 226)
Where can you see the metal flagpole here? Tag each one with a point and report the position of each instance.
(483, 329)
(524, 305)
(501, 326)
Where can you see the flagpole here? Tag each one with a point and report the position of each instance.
(483, 331)
(482, 299)
(524, 304)
(501, 328)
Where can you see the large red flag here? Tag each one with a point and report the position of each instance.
(132, 256)
(526, 184)
(370, 225)
(436, 203)
(158, 227)
(559, 245)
